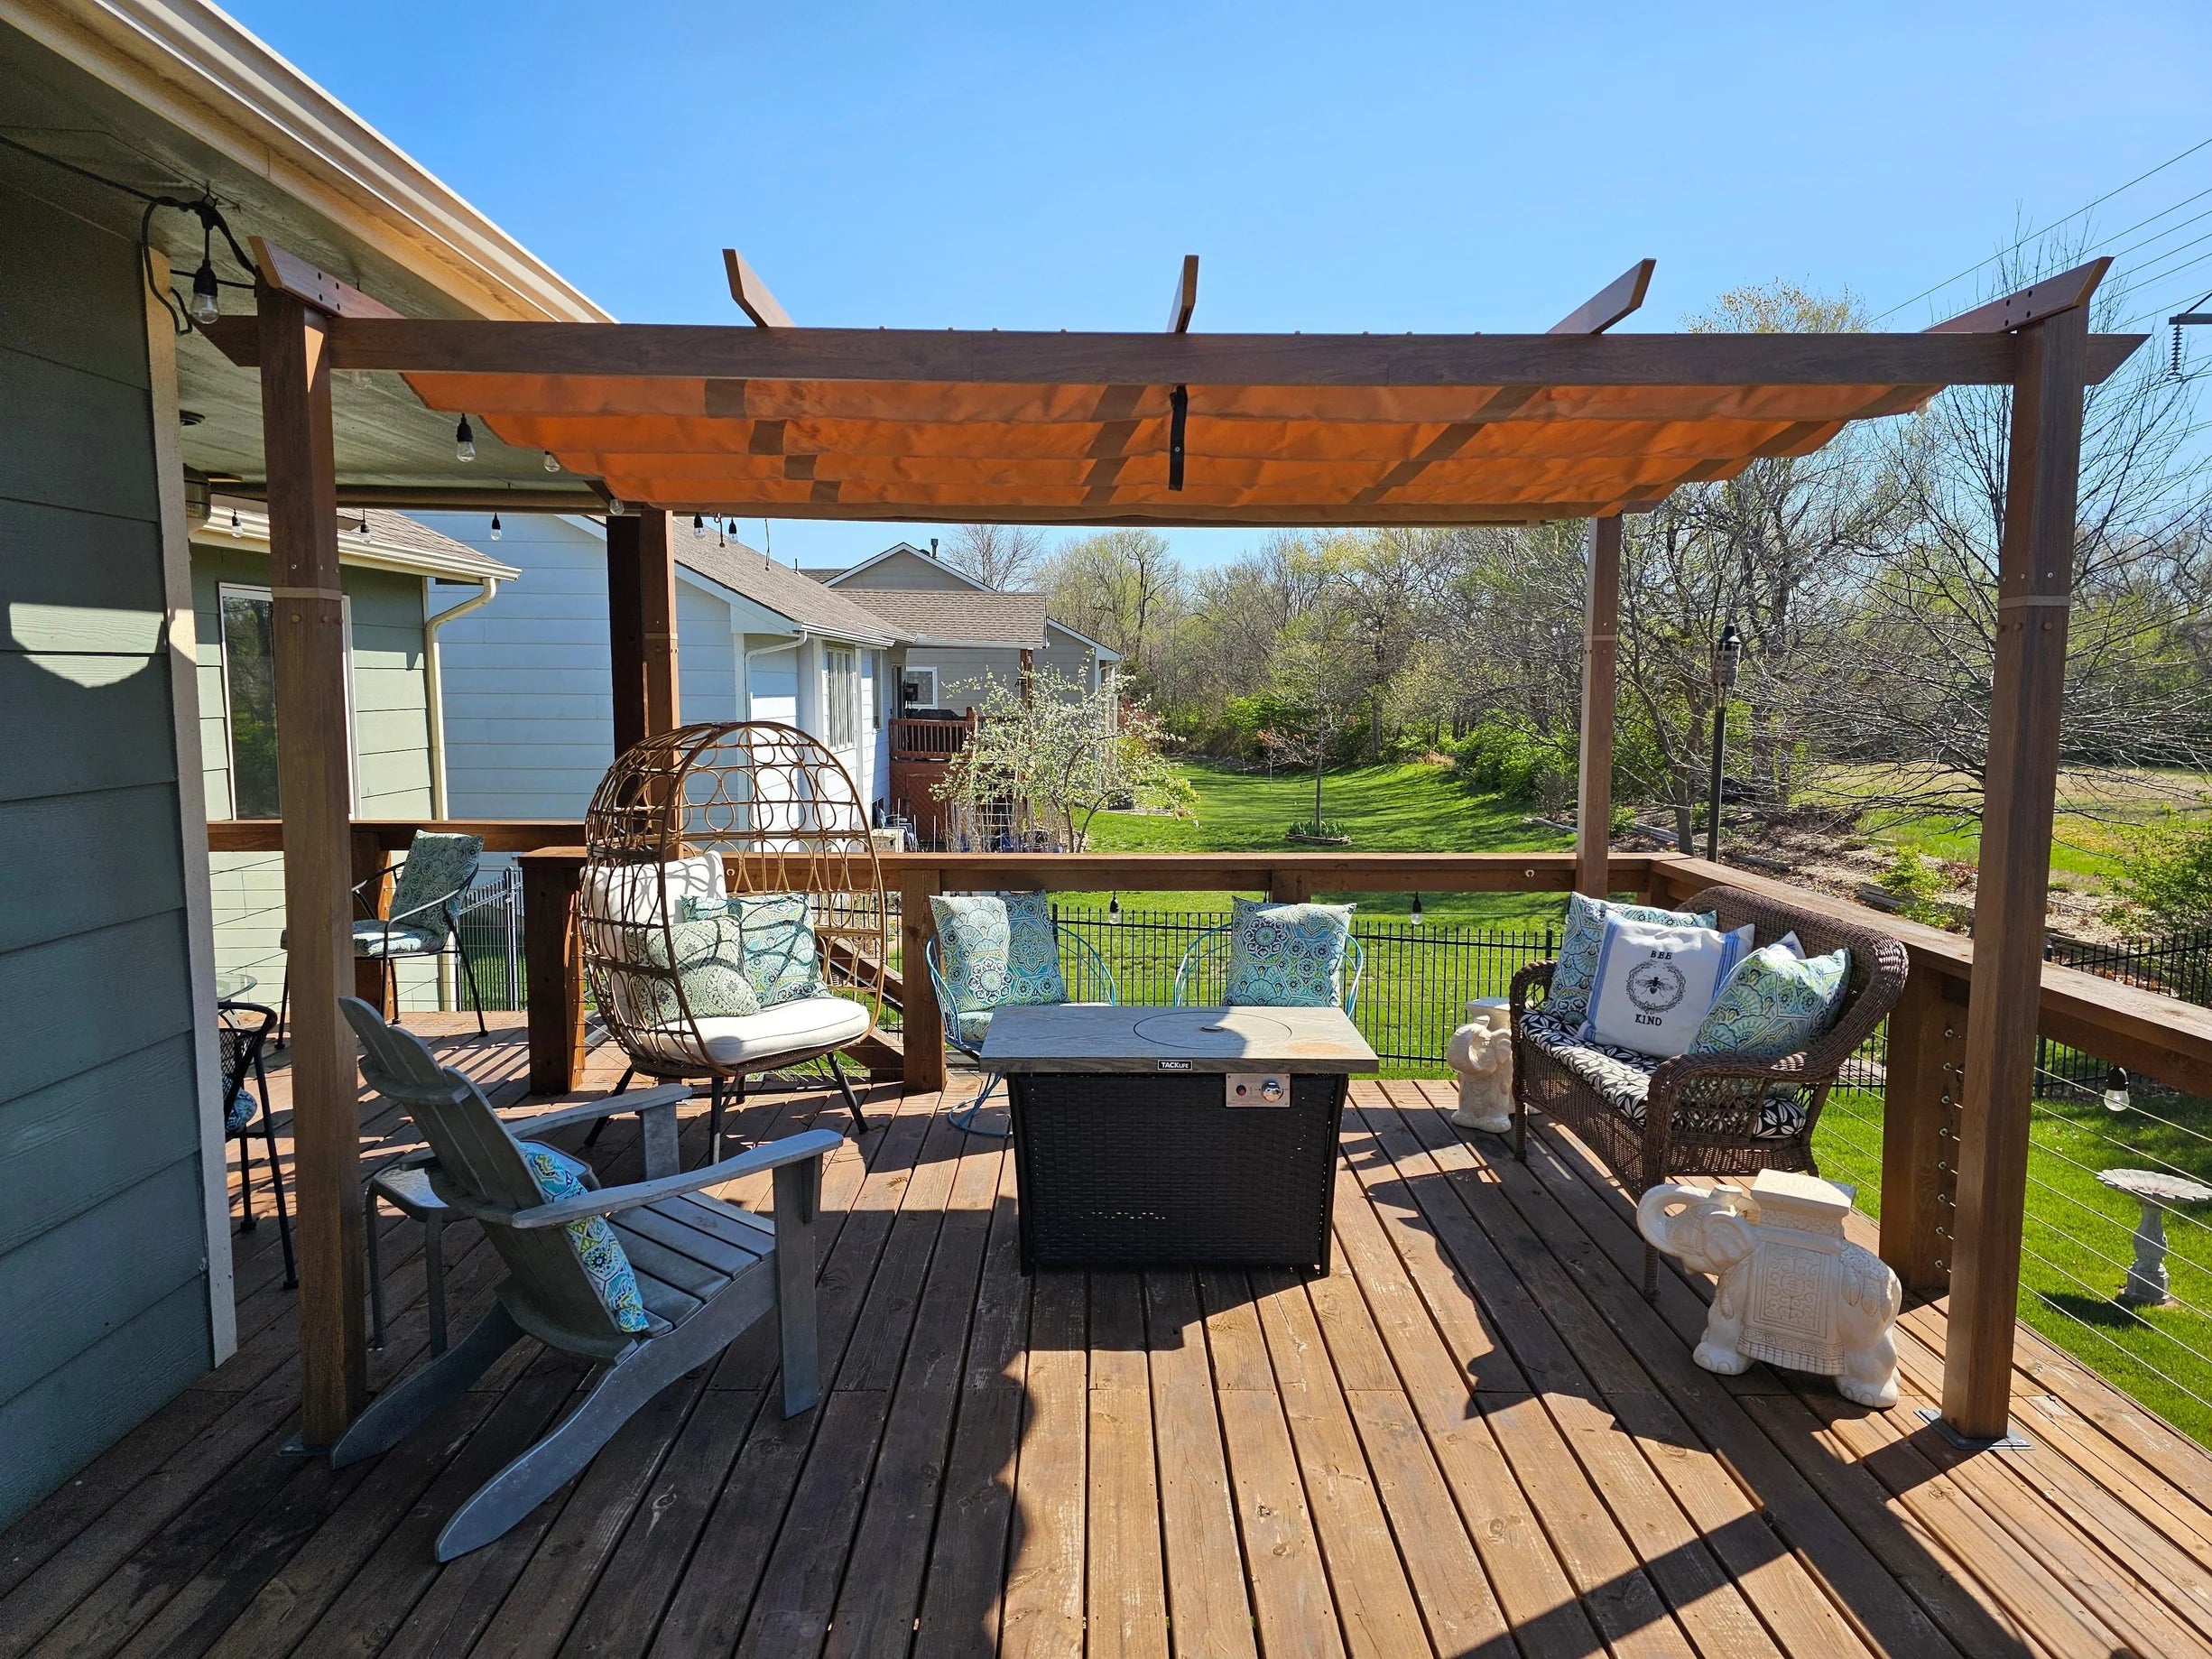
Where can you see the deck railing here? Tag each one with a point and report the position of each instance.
(913, 739)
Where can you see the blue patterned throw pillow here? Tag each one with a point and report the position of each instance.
(1570, 996)
(782, 959)
(559, 1176)
(1287, 956)
(997, 950)
(1775, 1003)
(711, 961)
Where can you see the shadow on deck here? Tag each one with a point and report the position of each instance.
(1383, 1461)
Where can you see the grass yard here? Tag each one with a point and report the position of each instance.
(1384, 809)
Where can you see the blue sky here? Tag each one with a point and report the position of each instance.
(1433, 168)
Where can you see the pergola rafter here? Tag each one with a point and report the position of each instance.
(1177, 428)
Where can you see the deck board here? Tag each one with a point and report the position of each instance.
(1473, 1436)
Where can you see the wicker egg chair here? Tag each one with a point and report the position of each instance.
(712, 825)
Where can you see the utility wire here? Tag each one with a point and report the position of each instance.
(2047, 229)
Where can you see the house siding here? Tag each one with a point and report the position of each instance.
(104, 1250)
(391, 753)
(905, 569)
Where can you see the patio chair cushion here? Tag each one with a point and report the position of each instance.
(379, 939)
(436, 865)
(1287, 956)
(997, 949)
(635, 892)
(245, 1106)
(1775, 1002)
(781, 957)
(1569, 995)
(559, 1176)
(970, 1028)
(1621, 1078)
(811, 1023)
(711, 963)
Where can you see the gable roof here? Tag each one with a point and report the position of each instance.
(789, 593)
(1106, 653)
(941, 617)
(833, 578)
(393, 542)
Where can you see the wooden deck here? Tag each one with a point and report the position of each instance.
(1380, 1462)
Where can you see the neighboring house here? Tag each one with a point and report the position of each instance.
(115, 1238)
(961, 633)
(395, 573)
(529, 698)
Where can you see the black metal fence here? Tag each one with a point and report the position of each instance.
(491, 936)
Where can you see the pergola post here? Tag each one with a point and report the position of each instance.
(308, 619)
(2034, 583)
(1601, 633)
(641, 614)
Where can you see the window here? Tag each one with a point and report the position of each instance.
(841, 668)
(249, 698)
(920, 687)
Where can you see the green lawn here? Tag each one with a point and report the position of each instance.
(1384, 809)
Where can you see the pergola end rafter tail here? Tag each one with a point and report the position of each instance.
(1618, 299)
(2047, 298)
(751, 294)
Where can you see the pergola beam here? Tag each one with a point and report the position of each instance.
(751, 294)
(1624, 294)
(1186, 300)
(1008, 358)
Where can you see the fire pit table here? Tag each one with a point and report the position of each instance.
(1184, 1136)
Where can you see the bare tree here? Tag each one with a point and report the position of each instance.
(1125, 587)
(1007, 557)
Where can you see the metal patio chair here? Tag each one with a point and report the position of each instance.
(421, 921)
(1090, 983)
(243, 1030)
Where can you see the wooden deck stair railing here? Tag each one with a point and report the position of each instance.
(916, 739)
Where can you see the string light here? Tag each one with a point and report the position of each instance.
(1416, 917)
(235, 529)
(551, 464)
(2116, 1098)
(1114, 908)
(206, 304)
(464, 441)
(495, 526)
(698, 527)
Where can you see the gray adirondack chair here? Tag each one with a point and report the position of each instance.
(706, 1270)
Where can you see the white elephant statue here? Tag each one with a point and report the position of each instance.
(1482, 1052)
(1792, 1290)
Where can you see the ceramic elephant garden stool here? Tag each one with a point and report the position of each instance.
(1792, 1290)
(1482, 1053)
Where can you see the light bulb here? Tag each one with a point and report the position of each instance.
(1416, 917)
(2115, 1090)
(551, 464)
(236, 530)
(1114, 908)
(364, 524)
(614, 506)
(207, 304)
(464, 441)
(495, 526)
(698, 528)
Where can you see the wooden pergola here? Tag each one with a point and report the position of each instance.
(1169, 428)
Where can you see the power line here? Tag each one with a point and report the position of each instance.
(2047, 229)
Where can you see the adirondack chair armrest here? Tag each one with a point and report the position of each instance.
(606, 1105)
(609, 1200)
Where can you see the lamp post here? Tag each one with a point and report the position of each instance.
(1726, 656)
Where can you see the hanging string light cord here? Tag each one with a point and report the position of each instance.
(205, 283)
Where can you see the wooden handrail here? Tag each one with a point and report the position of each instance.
(500, 835)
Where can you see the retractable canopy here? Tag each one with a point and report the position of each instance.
(1175, 428)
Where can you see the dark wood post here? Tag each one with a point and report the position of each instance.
(656, 566)
(554, 963)
(1600, 667)
(922, 1030)
(370, 983)
(2035, 583)
(1925, 1062)
(641, 624)
(308, 617)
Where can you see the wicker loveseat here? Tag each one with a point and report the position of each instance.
(1700, 1114)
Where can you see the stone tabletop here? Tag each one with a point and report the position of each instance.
(1092, 1037)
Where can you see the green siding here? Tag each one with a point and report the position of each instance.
(102, 1249)
(392, 752)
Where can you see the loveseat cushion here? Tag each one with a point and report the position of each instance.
(1585, 936)
(1621, 1078)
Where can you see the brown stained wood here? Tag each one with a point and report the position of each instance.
(1044, 1610)
(2035, 574)
(2046, 297)
(1600, 688)
(1294, 1612)
(627, 585)
(1310, 873)
(1127, 1607)
(1924, 1066)
(553, 958)
(1198, 1519)
(393, 834)
(751, 294)
(1374, 1601)
(656, 567)
(308, 635)
(1618, 299)
(921, 1026)
(1186, 297)
(372, 888)
(290, 274)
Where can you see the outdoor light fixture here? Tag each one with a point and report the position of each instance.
(551, 464)
(464, 441)
(236, 530)
(362, 526)
(495, 526)
(2115, 1090)
(206, 304)
(1728, 657)
(698, 527)
(1415, 918)
(1114, 908)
